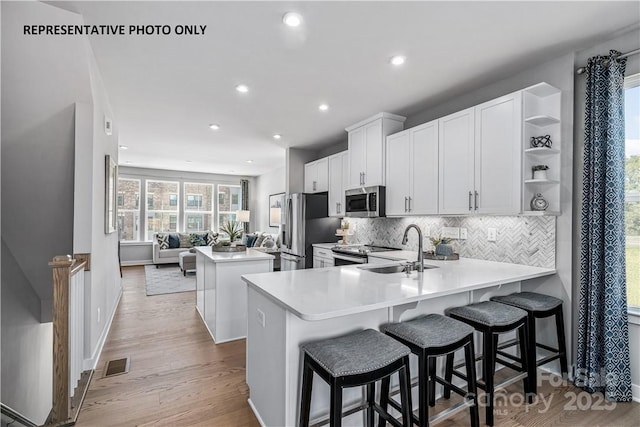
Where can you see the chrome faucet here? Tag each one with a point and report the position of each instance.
(419, 265)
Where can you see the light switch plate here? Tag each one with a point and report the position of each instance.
(451, 232)
(491, 234)
(463, 233)
(261, 318)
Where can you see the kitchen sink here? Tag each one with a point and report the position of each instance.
(391, 269)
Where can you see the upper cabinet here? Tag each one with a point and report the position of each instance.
(316, 176)
(338, 182)
(412, 171)
(480, 160)
(541, 147)
(367, 151)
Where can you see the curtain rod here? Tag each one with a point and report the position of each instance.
(582, 70)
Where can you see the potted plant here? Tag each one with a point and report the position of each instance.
(233, 229)
(442, 246)
(540, 171)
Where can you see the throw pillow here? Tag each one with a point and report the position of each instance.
(259, 240)
(268, 243)
(212, 238)
(163, 240)
(174, 241)
(251, 240)
(185, 240)
(198, 239)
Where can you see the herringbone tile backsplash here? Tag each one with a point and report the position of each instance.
(520, 240)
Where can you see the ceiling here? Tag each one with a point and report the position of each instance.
(166, 90)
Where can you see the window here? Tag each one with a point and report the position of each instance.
(198, 211)
(229, 201)
(162, 207)
(632, 188)
(128, 209)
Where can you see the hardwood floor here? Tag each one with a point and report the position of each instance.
(179, 377)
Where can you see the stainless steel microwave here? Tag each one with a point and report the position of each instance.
(365, 202)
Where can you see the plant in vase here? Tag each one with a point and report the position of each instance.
(442, 246)
(233, 229)
(540, 171)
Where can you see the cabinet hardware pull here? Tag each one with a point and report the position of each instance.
(314, 186)
(470, 196)
(476, 201)
(405, 203)
(409, 204)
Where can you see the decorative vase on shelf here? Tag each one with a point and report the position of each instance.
(538, 203)
(541, 141)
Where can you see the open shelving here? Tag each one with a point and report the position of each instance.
(541, 111)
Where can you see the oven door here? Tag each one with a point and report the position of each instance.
(341, 259)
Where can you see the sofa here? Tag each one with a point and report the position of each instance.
(167, 247)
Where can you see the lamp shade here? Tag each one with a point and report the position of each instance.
(243, 216)
(275, 215)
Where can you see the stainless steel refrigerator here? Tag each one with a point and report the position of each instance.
(306, 222)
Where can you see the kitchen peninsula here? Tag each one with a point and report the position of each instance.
(220, 293)
(287, 309)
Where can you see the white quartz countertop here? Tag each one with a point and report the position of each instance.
(324, 245)
(325, 293)
(397, 255)
(248, 255)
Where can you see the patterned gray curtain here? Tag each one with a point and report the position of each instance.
(603, 334)
(244, 188)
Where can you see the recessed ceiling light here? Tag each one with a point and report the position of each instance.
(249, 161)
(189, 161)
(242, 88)
(292, 19)
(397, 60)
(214, 126)
(124, 147)
(277, 136)
(323, 107)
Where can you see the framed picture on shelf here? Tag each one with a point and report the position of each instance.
(276, 205)
(110, 194)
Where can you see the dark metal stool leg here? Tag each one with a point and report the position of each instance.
(532, 372)
(448, 375)
(335, 414)
(469, 358)
(405, 394)
(307, 385)
(384, 399)
(423, 392)
(432, 382)
(528, 383)
(371, 396)
(489, 368)
(562, 344)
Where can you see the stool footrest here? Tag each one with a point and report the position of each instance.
(442, 415)
(547, 359)
(508, 364)
(546, 347)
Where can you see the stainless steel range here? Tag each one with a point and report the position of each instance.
(355, 254)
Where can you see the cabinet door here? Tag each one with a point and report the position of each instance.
(424, 169)
(322, 175)
(497, 155)
(356, 157)
(310, 176)
(398, 173)
(374, 154)
(456, 155)
(336, 191)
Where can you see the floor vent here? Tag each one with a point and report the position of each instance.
(116, 367)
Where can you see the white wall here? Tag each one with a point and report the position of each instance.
(295, 159)
(266, 184)
(625, 42)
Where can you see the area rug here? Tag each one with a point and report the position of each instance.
(167, 280)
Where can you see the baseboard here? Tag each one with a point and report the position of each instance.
(255, 412)
(136, 262)
(95, 357)
(635, 392)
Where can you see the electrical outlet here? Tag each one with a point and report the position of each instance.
(463, 234)
(491, 234)
(261, 318)
(451, 232)
(426, 231)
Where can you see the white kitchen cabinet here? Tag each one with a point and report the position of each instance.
(316, 176)
(412, 171)
(366, 148)
(322, 258)
(480, 158)
(338, 182)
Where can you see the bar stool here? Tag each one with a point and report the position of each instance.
(356, 359)
(491, 319)
(539, 306)
(429, 337)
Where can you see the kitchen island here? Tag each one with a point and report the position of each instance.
(287, 309)
(221, 295)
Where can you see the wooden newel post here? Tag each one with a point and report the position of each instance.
(61, 266)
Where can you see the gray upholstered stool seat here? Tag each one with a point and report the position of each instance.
(529, 301)
(489, 313)
(433, 330)
(358, 359)
(356, 353)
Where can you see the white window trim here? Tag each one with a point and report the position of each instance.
(217, 217)
(153, 211)
(632, 311)
(138, 210)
